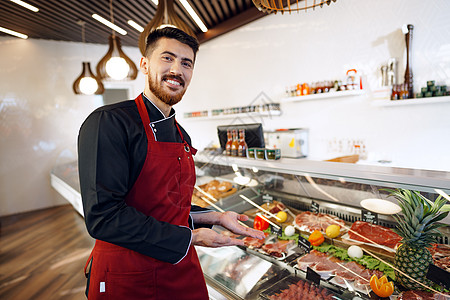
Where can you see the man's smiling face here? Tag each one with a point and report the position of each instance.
(170, 68)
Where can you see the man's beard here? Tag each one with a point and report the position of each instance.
(158, 91)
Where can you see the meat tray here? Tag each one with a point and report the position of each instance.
(237, 272)
(304, 290)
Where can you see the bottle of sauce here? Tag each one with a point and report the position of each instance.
(229, 142)
(242, 146)
(305, 89)
(298, 90)
(234, 143)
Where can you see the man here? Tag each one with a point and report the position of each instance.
(137, 175)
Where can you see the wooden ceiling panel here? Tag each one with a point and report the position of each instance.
(199, 7)
(57, 19)
(218, 10)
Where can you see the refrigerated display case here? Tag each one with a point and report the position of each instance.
(329, 188)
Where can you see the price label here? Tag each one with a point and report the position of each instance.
(267, 198)
(369, 217)
(314, 207)
(312, 275)
(292, 259)
(439, 276)
(304, 244)
(277, 230)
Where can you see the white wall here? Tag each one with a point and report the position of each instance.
(281, 50)
(40, 115)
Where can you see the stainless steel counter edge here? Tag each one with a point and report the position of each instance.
(379, 175)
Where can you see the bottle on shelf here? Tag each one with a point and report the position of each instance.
(298, 90)
(229, 142)
(305, 89)
(234, 143)
(242, 146)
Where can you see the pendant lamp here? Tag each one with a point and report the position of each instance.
(115, 64)
(269, 6)
(165, 16)
(87, 83)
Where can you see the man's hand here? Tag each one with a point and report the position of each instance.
(209, 238)
(230, 219)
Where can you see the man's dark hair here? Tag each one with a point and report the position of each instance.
(171, 33)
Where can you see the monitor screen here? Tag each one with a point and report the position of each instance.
(254, 136)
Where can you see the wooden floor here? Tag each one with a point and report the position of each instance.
(42, 255)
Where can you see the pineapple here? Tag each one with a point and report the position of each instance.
(418, 228)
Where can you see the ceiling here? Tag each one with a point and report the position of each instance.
(57, 19)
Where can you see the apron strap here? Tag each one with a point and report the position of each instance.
(144, 115)
(187, 148)
(146, 120)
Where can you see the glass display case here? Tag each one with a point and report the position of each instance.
(330, 189)
(326, 188)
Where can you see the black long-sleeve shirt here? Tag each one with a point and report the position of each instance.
(112, 147)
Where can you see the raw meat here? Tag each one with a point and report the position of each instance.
(311, 259)
(303, 290)
(277, 249)
(364, 282)
(421, 295)
(321, 263)
(441, 256)
(308, 221)
(327, 266)
(349, 272)
(378, 234)
(277, 208)
(439, 251)
(443, 263)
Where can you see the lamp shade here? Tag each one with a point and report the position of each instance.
(165, 15)
(87, 83)
(269, 6)
(115, 64)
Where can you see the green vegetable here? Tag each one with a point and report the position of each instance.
(292, 237)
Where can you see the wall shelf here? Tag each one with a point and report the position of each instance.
(269, 113)
(431, 100)
(323, 96)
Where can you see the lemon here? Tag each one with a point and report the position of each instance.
(281, 216)
(333, 231)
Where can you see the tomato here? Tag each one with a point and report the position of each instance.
(260, 223)
(382, 287)
(316, 238)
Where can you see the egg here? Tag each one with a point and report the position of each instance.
(289, 230)
(355, 252)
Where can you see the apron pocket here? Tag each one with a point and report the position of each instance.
(131, 285)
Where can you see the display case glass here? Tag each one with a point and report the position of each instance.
(329, 189)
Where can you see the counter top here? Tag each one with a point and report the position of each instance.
(64, 179)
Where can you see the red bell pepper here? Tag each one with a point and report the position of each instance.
(260, 223)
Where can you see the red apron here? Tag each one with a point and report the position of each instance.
(163, 190)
